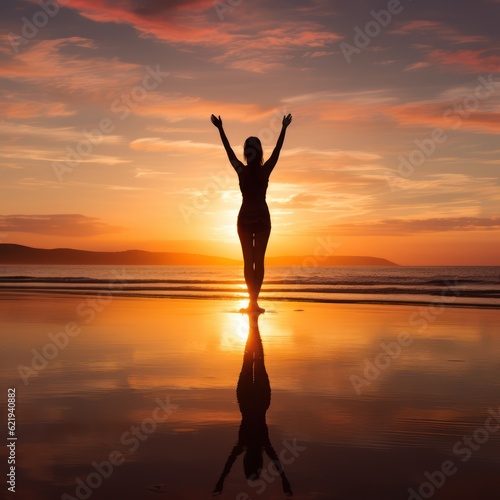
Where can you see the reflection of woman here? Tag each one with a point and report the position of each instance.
(254, 397)
(254, 221)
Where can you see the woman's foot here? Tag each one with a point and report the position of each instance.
(253, 307)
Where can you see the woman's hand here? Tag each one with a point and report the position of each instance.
(216, 121)
(286, 120)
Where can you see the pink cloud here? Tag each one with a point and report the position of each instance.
(439, 30)
(417, 65)
(169, 21)
(418, 24)
(271, 48)
(470, 61)
(370, 110)
(47, 65)
(256, 45)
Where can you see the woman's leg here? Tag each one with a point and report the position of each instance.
(260, 245)
(247, 242)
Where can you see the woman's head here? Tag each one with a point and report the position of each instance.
(252, 463)
(252, 151)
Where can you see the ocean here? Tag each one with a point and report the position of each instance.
(450, 286)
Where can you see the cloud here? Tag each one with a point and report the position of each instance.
(349, 194)
(66, 134)
(270, 48)
(339, 155)
(417, 65)
(443, 115)
(79, 71)
(72, 225)
(370, 108)
(305, 207)
(335, 170)
(154, 144)
(356, 109)
(467, 61)
(255, 45)
(397, 227)
(148, 173)
(474, 108)
(417, 25)
(439, 30)
(174, 21)
(33, 109)
(175, 106)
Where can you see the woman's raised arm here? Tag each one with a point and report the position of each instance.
(237, 164)
(273, 159)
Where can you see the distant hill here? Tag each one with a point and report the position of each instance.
(19, 254)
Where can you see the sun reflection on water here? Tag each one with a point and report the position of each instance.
(234, 331)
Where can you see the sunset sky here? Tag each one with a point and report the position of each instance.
(106, 140)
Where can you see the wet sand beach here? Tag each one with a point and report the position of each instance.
(136, 398)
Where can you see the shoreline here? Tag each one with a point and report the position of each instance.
(6, 294)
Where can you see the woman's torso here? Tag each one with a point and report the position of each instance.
(253, 187)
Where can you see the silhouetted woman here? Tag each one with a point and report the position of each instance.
(254, 220)
(254, 397)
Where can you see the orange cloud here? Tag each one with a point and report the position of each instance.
(430, 225)
(31, 109)
(155, 144)
(450, 116)
(176, 106)
(16, 130)
(354, 109)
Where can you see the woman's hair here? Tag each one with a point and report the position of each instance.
(252, 151)
(252, 463)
